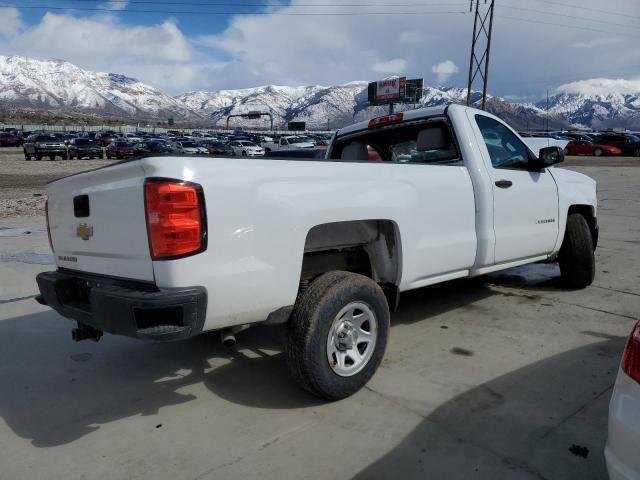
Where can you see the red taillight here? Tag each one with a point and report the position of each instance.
(46, 215)
(380, 121)
(631, 356)
(175, 218)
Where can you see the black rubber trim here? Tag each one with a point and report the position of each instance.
(126, 308)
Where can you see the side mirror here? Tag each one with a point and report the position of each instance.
(550, 156)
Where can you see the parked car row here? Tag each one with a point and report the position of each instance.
(596, 143)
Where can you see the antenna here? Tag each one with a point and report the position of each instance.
(479, 61)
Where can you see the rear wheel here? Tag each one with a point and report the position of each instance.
(337, 334)
(566, 151)
(597, 152)
(576, 257)
(27, 157)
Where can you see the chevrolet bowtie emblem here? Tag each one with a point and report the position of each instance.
(84, 231)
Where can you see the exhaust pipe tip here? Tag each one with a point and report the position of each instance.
(228, 339)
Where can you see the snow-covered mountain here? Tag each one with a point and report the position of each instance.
(59, 86)
(597, 110)
(331, 107)
(56, 84)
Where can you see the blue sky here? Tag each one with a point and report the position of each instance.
(538, 44)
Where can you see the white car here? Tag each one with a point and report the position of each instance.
(245, 148)
(288, 142)
(324, 245)
(191, 148)
(622, 452)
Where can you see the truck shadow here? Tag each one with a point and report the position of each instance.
(54, 391)
(521, 425)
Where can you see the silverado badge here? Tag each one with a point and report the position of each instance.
(84, 231)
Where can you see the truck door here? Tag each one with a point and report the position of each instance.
(525, 202)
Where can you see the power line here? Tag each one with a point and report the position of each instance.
(580, 7)
(187, 12)
(533, 10)
(258, 4)
(508, 17)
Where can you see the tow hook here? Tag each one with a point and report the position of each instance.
(85, 332)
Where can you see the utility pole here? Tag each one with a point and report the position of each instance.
(480, 50)
(547, 111)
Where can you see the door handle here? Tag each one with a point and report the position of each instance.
(503, 183)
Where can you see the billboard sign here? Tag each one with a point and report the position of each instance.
(394, 90)
(389, 88)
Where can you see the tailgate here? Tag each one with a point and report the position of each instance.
(98, 223)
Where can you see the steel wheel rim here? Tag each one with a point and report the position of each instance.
(352, 339)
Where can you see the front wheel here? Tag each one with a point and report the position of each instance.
(244, 154)
(576, 257)
(337, 334)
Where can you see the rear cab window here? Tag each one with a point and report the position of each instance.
(425, 141)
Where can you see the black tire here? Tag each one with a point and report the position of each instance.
(27, 157)
(637, 152)
(597, 152)
(566, 151)
(576, 257)
(244, 154)
(38, 156)
(311, 322)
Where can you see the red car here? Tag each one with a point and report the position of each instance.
(119, 150)
(582, 147)
(9, 140)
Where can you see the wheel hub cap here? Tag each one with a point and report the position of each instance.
(352, 338)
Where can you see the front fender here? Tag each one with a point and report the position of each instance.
(574, 189)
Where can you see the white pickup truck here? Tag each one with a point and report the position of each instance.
(288, 142)
(164, 248)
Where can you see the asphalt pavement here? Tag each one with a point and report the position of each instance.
(501, 377)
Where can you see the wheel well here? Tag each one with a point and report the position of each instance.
(587, 212)
(368, 247)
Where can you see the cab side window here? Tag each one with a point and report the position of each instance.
(506, 150)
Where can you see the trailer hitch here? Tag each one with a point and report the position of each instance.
(85, 332)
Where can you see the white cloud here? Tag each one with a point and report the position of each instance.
(602, 86)
(114, 4)
(411, 38)
(160, 55)
(396, 65)
(444, 70)
(10, 22)
(81, 39)
(598, 42)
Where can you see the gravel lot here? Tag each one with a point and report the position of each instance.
(22, 183)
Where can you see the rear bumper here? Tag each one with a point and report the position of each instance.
(123, 307)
